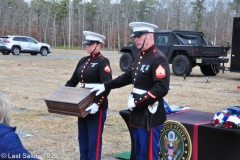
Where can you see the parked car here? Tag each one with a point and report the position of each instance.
(22, 44)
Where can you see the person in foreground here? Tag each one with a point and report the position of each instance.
(91, 71)
(150, 78)
(11, 147)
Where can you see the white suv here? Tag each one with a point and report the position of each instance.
(23, 44)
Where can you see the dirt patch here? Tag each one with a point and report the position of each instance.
(28, 80)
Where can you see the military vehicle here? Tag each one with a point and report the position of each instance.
(184, 50)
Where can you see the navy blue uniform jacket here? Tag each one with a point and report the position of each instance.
(149, 72)
(93, 69)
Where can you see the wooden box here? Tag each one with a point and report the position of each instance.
(70, 101)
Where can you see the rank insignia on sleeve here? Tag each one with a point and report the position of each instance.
(107, 69)
(160, 72)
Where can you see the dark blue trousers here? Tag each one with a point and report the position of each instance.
(90, 131)
(147, 143)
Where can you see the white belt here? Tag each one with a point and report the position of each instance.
(138, 91)
(88, 85)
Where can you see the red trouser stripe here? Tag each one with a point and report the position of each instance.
(195, 140)
(150, 145)
(99, 135)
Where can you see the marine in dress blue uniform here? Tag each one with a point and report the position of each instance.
(91, 71)
(150, 78)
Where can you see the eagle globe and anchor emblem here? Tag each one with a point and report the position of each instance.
(175, 142)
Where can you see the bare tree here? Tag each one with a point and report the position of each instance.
(126, 7)
(61, 22)
(214, 22)
(116, 16)
(178, 8)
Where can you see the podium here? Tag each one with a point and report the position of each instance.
(201, 139)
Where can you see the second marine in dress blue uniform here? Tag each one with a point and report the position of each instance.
(150, 78)
(150, 72)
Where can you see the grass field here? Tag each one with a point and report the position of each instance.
(27, 80)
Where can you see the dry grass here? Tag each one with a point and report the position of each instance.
(27, 80)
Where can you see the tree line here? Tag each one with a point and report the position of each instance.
(61, 22)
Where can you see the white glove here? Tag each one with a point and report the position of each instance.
(100, 88)
(130, 102)
(94, 108)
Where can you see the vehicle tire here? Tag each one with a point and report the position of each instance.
(43, 51)
(33, 54)
(190, 67)
(209, 70)
(181, 65)
(125, 61)
(15, 50)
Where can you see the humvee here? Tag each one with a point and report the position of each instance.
(184, 50)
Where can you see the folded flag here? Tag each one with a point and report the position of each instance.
(172, 109)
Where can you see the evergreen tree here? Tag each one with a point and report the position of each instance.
(198, 8)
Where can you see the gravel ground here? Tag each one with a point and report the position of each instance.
(27, 80)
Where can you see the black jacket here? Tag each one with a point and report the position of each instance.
(150, 71)
(93, 69)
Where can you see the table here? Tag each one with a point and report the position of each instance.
(191, 136)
